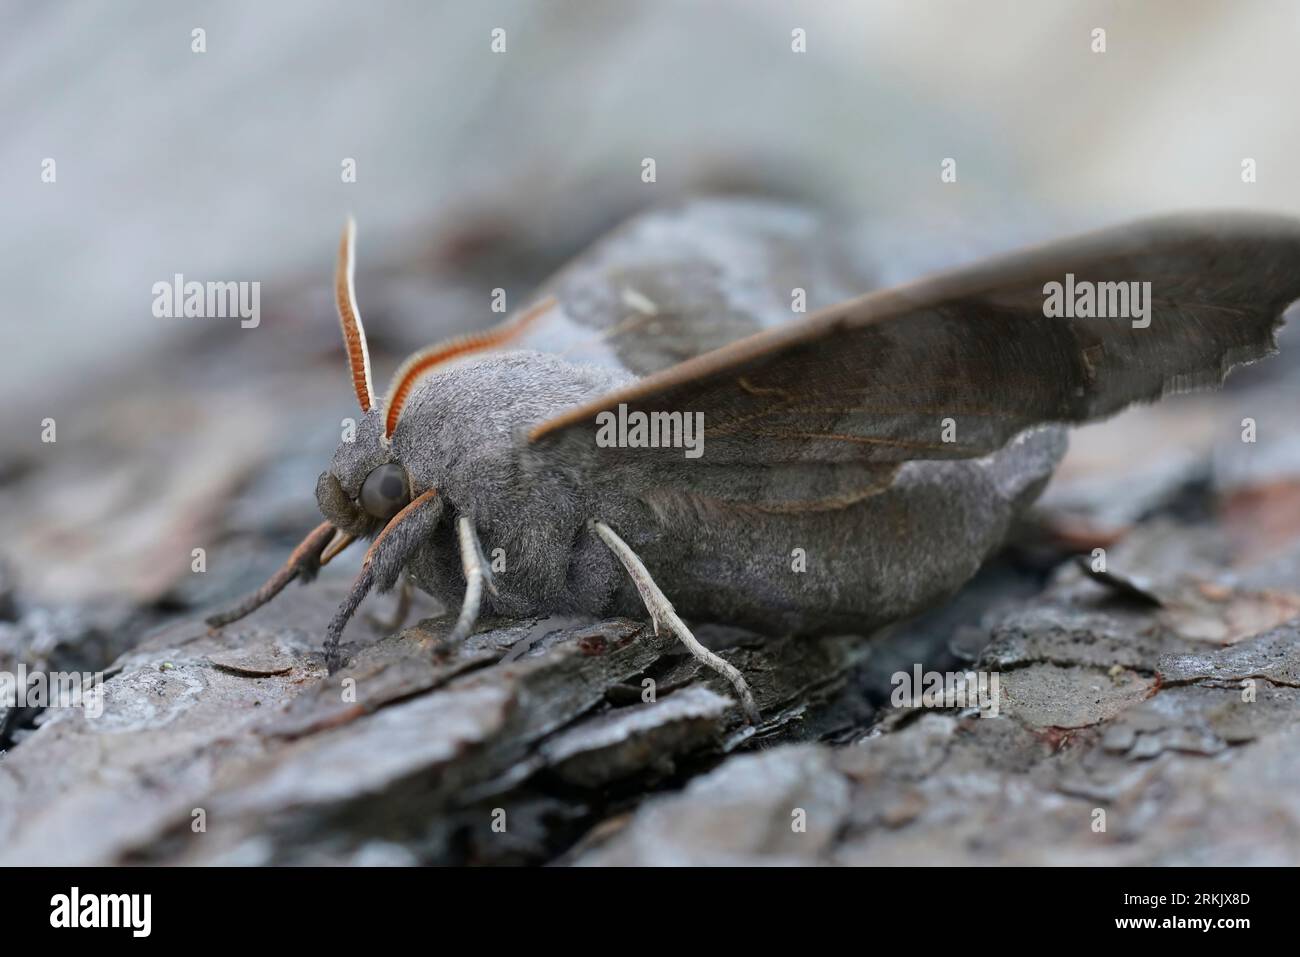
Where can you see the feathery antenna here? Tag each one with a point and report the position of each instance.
(354, 334)
(429, 358)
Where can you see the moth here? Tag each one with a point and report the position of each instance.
(857, 463)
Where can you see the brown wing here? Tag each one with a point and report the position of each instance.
(970, 355)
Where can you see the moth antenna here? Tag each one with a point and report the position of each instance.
(430, 357)
(354, 334)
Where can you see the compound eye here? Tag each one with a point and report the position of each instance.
(385, 491)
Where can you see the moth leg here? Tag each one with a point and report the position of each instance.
(405, 534)
(476, 574)
(360, 588)
(304, 561)
(661, 611)
(341, 541)
(401, 612)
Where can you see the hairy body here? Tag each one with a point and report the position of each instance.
(864, 562)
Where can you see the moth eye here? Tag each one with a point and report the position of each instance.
(385, 491)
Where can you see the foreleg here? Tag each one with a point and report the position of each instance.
(303, 562)
(407, 532)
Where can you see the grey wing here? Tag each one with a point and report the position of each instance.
(676, 283)
(957, 365)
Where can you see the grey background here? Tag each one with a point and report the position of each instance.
(225, 165)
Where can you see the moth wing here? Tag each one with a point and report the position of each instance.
(956, 365)
(675, 283)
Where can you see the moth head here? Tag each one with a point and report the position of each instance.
(364, 486)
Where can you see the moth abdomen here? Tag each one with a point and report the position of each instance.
(856, 567)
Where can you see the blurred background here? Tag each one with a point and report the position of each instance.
(227, 163)
(477, 169)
